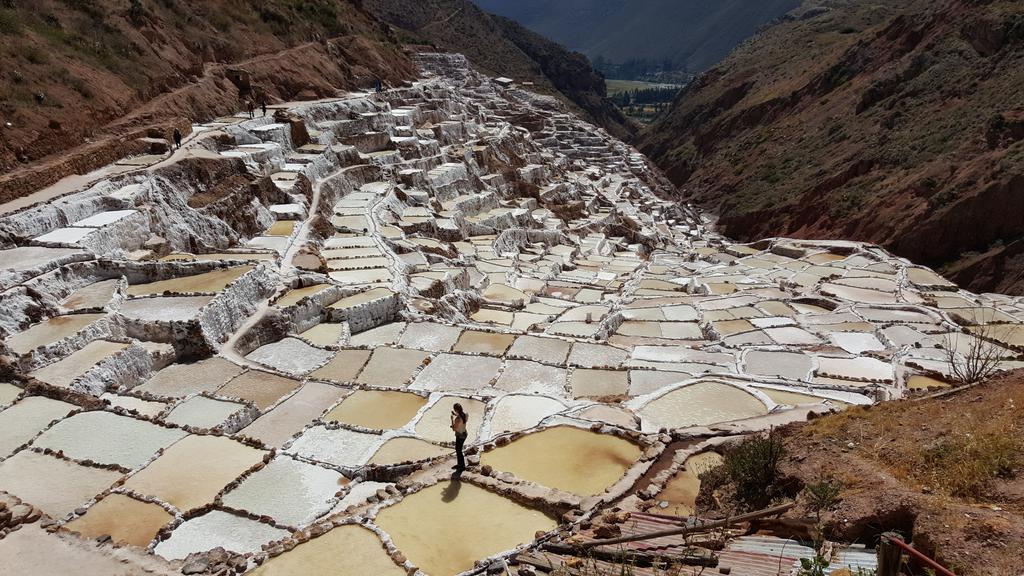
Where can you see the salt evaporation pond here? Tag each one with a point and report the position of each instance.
(326, 334)
(447, 527)
(203, 412)
(164, 309)
(290, 355)
(293, 296)
(56, 486)
(680, 493)
(217, 529)
(287, 418)
(49, 331)
(64, 372)
(108, 438)
(406, 449)
(435, 423)
(21, 421)
(348, 550)
(309, 494)
(700, 404)
(180, 380)
(567, 458)
(125, 519)
(343, 367)
(377, 409)
(214, 281)
(95, 295)
(519, 412)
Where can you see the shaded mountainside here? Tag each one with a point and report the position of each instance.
(74, 72)
(693, 34)
(899, 123)
(501, 47)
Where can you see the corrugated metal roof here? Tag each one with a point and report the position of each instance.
(854, 558)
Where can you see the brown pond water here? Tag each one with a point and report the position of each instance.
(344, 367)
(398, 450)
(567, 458)
(293, 296)
(445, 528)
(125, 519)
(377, 409)
(680, 493)
(94, 295)
(349, 550)
(65, 371)
(261, 388)
(192, 471)
(213, 281)
(50, 331)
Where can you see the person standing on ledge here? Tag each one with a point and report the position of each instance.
(263, 104)
(459, 419)
(177, 139)
(249, 105)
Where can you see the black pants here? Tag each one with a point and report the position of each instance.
(460, 443)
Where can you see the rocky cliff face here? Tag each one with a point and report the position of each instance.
(893, 122)
(501, 47)
(75, 74)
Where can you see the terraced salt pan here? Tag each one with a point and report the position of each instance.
(63, 372)
(217, 529)
(585, 382)
(108, 438)
(490, 343)
(547, 350)
(344, 367)
(614, 415)
(430, 336)
(164, 309)
(679, 497)
(95, 295)
(791, 365)
(406, 449)
(855, 368)
(391, 367)
(455, 540)
(275, 427)
(377, 409)
(293, 296)
(203, 412)
(261, 388)
(69, 235)
(856, 342)
(180, 380)
(309, 494)
(435, 423)
(455, 372)
(55, 486)
(567, 458)
(516, 412)
(700, 404)
(192, 471)
(214, 281)
(290, 355)
(21, 421)
(8, 392)
(526, 376)
(348, 550)
(125, 519)
(340, 447)
(326, 334)
(49, 331)
(793, 398)
(919, 382)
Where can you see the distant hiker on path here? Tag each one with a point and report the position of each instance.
(263, 104)
(379, 86)
(248, 104)
(459, 419)
(177, 139)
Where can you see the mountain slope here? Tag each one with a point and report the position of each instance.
(501, 47)
(693, 34)
(900, 123)
(73, 72)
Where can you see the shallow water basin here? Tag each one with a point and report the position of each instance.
(108, 438)
(203, 412)
(281, 228)
(217, 529)
(180, 380)
(290, 355)
(293, 296)
(56, 486)
(700, 404)
(20, 422)
(62, 373)
(50, 331)
(344, 367)
(519, 412)
(326, 334)
(213, 281)
(377, 409)
(125, 519)
(348, 550)
(585, 382)
(440, 528)
(164, 309)
(567, 458)
(490, 343)
(275, 427)
(391, 367)
(95, 295)
(919, 382)
(405, 449)
(679, 497)
(309, 494)
(261, 388)
(435, 423)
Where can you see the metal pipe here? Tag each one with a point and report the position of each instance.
(918, 555)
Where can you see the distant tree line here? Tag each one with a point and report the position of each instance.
(640, 68)
(642, 96)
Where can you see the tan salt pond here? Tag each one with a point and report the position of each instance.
(125, 519)
(447, 527)
(919, 382)
(349, 550)
(56, 486)
(261, 388)
(377, 409)
(405, 449)
(585, 382)
(700, 404)
(192, 471)
(50, 331)
(213, 281)
(680, 493)
(391, 367)
(65, 371)
(484, 342)
(95, 295)
(793, 398)
(567, 458)
(326, 334)
(180, 380)
(281, 228)
(344, 367)
(293, 296)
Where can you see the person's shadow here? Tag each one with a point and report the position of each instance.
(451, 492)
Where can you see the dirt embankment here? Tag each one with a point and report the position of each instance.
(900, 123)
(947, 473)
(82, 82)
